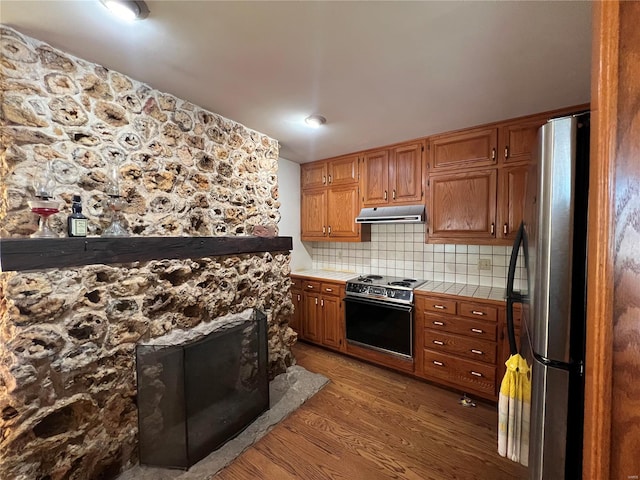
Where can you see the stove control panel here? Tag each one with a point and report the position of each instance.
(379, 292)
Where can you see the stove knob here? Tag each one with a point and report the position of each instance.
(392, 293)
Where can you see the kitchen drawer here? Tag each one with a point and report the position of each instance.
(478, 310)
(296, 283)
(310, 286)
(462, 326)
(439, 305)
(330, 289)
(463, 373)
(473, 348)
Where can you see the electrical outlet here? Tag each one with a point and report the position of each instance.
(484, 264)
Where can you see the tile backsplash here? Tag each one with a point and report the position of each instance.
(399, 250)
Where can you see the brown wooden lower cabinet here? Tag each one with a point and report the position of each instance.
(457, 343)
(321, 312)
(472, 377)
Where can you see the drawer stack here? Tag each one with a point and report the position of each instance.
(457, 343)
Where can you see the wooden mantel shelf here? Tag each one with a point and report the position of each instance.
(20, 254)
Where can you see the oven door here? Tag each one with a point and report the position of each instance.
(380, 325)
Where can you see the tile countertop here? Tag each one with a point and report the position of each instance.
(326, 274)
(431, 286)
(462, 289)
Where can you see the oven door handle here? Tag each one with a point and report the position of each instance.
(394, 306)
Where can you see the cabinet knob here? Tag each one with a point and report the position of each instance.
(328, 289)
(493, 154)
(322, 303)
(438, 323)
(476, 312)
(316, 300)
(506, 152)
(324, 230)
(477, 374)
(324, 180)
(394, 193)
(493, 229)
(298, 297)
(438, 342)
(329, 229)
(477, 352)
(330, 179)
(385, 195)
(505, 229)
(440, 364)
(477, 330)
(440, 307)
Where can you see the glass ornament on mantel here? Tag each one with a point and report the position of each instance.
(44, 205)
(115, 204)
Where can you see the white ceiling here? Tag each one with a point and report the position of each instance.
(380, 72)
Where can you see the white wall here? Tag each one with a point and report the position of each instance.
(289, 226)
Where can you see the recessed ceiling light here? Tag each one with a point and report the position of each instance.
(127, 9)
(315, 120)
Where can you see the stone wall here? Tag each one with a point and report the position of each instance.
(67, 383)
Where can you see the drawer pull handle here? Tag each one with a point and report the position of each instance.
(440, 307)
(477, 352)
(310, 286)
(477, 330)
(477, 374)
(440, 364)
(438, 323)
(328, 289)
(438, 342)
(477, 312)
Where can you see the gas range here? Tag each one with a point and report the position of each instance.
(383, 288)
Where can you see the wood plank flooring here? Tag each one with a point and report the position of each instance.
(370, 423)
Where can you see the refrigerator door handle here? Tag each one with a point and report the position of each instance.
(521, 239)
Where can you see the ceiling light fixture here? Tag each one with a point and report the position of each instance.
(127, 9)
(315, 120)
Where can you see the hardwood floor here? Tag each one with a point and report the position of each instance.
(370, 423)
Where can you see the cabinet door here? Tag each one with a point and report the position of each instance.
(470, 148)
(331, 321)
(463, 206)
(405, 174)
(518, 140)
(298, 313)
(313, 175)
(511, 197)
(375, 179)
(342, 209)
(313, 214)
(311, 321)
(343, 170)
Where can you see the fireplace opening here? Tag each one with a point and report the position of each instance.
(198, 389)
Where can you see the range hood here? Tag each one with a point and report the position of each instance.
(400, 214)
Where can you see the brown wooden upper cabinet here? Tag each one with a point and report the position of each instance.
(337, 171)
(462, 206)
(330, 201)
(393, 176)
(475, 147)
(517, 143)
(478, 180)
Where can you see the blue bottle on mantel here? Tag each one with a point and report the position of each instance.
(77, 222)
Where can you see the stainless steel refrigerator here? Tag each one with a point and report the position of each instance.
(550, 255)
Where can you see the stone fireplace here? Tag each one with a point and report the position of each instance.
(199, 388)
(68, 334)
